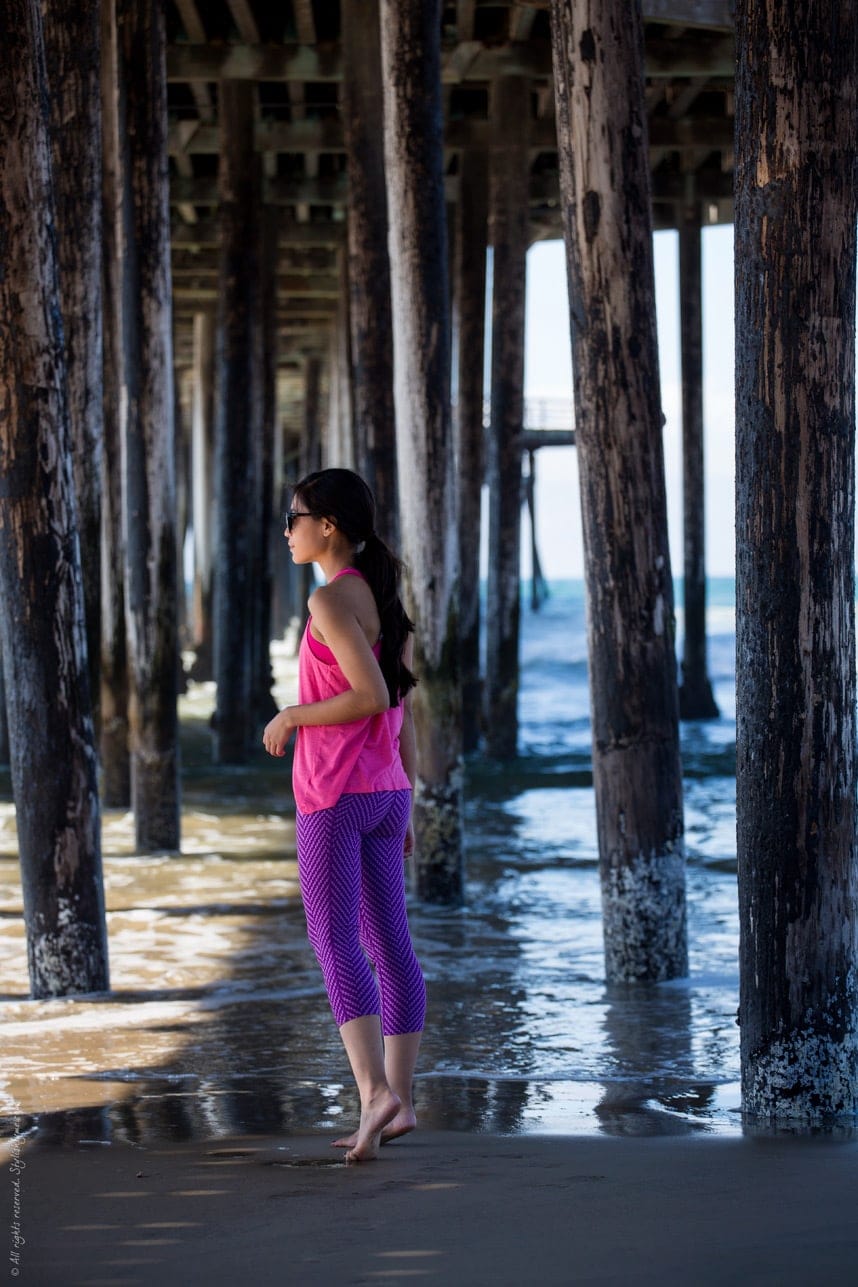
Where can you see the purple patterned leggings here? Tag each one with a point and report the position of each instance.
(351, 868)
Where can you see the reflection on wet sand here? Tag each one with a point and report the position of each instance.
(217, 1022)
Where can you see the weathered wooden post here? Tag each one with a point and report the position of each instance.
(339, 445)
(538, 583)
(469, 303)
(695, 695)
(411, 56)
(202, 458)
(300, 579)
(796, 209)
(265, 416)
(508, 234)
(369, 264)
(235, 423)
(4, 721)
(113, 734)
(148, 450)
(311, 443)
(53, 760)
(331, 452)
(72, 51)
(182, 460)
(604, 169)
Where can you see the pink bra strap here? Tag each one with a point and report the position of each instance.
(348, 572)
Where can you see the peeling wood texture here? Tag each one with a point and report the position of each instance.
(796, 152)
(598, 78)
(235, 425)
(148, 446)
(418, 263)
(72, 52)
(469, 311)
(695, 696)
(113, 678)
(369, 264)
(53, 757)
(508, 234)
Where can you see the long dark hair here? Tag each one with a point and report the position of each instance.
(344, 498)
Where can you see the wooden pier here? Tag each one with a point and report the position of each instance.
(265, 226)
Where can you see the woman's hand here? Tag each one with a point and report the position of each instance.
(278, 732)
(409, 839)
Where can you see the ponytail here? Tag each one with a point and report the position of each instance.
(383, 570)
(344, 497)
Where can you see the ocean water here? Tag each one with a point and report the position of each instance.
(639, 1058)
(217, 1021)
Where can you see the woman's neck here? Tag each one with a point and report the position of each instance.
(335, 562)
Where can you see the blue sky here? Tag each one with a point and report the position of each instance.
(548, 373)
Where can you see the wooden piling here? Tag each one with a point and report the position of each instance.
(469, 311)
(4, 720)
(235, 427)
(113, 736)
(796, 210)
(311, 442)
(72, 52)
(299, 579)
(42, 624)
(508, 234)
(202, 492)
(182, 422)
(602, 140)
(262, 677)
(148, 448)
(369, 264)
(696, 700)
(538, 583)
(338, 447)
(410, 41)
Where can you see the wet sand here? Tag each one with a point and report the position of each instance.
(457, 1208)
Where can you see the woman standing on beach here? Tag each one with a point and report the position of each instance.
(353, 775)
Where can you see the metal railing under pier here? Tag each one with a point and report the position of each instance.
(548, 422)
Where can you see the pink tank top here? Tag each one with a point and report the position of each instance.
(332, 760)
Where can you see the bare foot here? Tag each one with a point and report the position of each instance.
(404, 1121)
(373, 1120)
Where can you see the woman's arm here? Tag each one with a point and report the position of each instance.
(367, 692)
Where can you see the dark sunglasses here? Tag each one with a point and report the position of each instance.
(291, 514)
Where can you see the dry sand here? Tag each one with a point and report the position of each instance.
(443, 1207)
